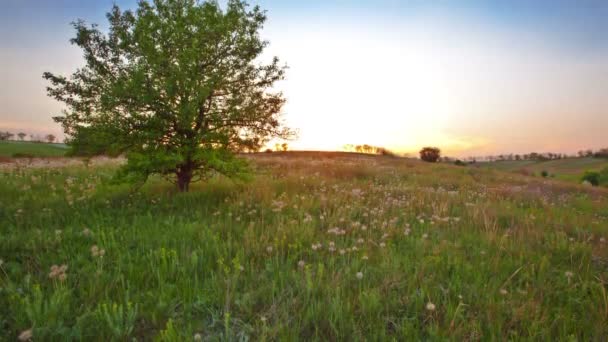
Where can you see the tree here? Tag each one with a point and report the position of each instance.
(284, 147)
(50, 138)
(176, 86)
(6, 136)
(430, 154)
(21, 135)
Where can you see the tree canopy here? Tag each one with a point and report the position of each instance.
(177, 86)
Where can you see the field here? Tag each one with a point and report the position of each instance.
(34, 149)
(568, 169)
(314, 247)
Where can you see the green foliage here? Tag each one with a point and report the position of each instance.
(176, 86)
(593, 177)
(604, 176)
(544, 173)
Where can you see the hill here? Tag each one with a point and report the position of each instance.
(315, 246)
(569, 169)
(33, 149)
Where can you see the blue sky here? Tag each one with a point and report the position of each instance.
(471, 76)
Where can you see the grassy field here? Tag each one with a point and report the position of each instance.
(315, 247)
(568, 169)
(34, 149)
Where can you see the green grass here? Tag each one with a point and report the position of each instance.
(445, 253)
(34, 149)
(568, 169)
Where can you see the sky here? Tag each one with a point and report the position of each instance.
(472, 77)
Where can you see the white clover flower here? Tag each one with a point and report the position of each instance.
(407, 231)
(365, 257)
(269, 249)
(198, 337)
(301, 264)
(382, 245)
(569, 274)
(359, 275)
(425, 236)
(503, 292)
(430, 306)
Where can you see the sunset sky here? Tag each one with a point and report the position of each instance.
(471, 77)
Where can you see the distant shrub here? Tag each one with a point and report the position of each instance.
(268, 150)
(604, 176)
(593, 177)
(544, 173)
(430, 154)
(459, 162)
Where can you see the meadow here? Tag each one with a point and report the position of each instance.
(567, 169)
(31, 149)
(316, 246)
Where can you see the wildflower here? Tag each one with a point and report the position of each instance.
(503, 292)
(58, 272)
(569, 274)
(359, 275)
(430, 306)
(269, 249)
(407, 231)
(360, 241)
(241, 268)
(263, 319)
(382, 245)
(97, 252)
(425, 235)
(198, 337)
(86, 232)
(26, 335)
(301, 264)
(365, 257)
(342, 251)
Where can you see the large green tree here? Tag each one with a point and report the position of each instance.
(177, 86)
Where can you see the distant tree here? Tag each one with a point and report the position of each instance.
(517, 157)
(589, 153)
(6, 135)
(602, 153)
(50, 138)
(21, 135)
(284, 147)
(430, 154)
(177, 86)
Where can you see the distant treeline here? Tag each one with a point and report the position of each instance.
(601, 153)
(21, 136)
(368, 149)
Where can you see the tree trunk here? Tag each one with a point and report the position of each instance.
(184, 176)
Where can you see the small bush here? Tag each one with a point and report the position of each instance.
(459, 162)
(430, 154)
(544, 174)
(268, 150)
(592, 177)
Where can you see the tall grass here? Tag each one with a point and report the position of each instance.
(314, 248)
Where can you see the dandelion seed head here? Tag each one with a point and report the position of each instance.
(359, 275)
(26, 335)
(430, 306)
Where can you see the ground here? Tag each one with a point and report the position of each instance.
(314, 247)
